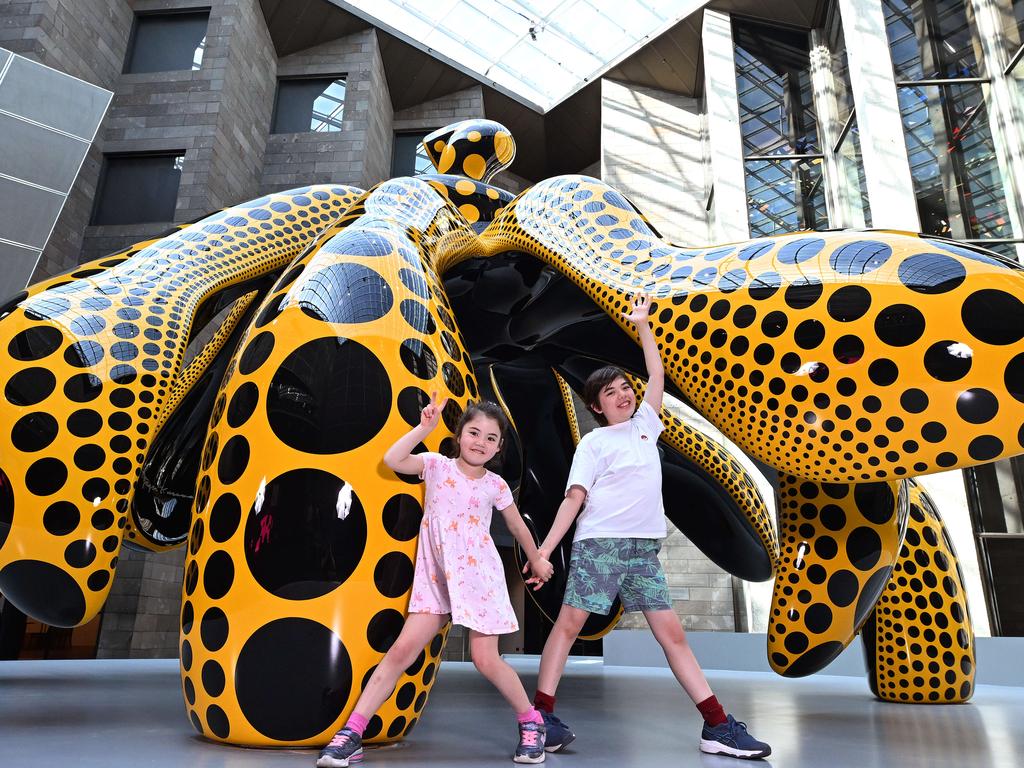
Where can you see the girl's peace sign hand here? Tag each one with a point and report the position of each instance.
(430, 415)
(641, 309)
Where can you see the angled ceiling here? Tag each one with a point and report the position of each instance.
(538, 52)
(562, 134)
(672, 61)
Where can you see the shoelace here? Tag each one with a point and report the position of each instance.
(737, 725)
(528, 734)
(340, 739)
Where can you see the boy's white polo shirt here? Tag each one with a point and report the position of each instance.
(620, 469)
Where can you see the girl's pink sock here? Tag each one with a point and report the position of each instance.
(532, 715)
(357, 723)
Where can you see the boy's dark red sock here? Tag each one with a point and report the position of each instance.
(542, 701)
(711, 711)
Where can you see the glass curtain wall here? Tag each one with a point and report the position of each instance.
(846, 149)
(782, 156)
(940, 77)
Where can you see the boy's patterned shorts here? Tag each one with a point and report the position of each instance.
(600, 569)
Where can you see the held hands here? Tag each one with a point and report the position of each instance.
(640, 312)
(432, 413)
(541, 569)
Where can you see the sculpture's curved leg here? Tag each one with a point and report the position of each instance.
(919, 642)
(301, 553)
(88, 362)
(839, 544)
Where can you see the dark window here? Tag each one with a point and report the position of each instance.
(309, 105)
(136, 189)
(994, 495)
(409, 157)
(167, 42)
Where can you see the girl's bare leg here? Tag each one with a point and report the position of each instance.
(484, 651)
(416, 633)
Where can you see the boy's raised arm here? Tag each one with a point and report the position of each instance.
(640, 317)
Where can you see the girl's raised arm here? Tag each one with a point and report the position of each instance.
(399, 457)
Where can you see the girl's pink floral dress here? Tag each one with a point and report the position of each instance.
(458, 570)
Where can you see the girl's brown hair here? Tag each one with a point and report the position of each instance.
(597, 381)
(491, 411)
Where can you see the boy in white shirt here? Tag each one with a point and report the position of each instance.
(617, 471)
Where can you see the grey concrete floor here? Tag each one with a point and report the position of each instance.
(130, 713)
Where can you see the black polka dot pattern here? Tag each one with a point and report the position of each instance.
(846, 363)
(838, 546)
(94, 367)
(919, 641)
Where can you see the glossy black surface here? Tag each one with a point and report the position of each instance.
(164, 494)
(305, 535)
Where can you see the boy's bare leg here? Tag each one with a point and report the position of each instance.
(556, 650)
(416, 633)
(670, 634)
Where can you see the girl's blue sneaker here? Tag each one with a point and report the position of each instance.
(731, 738)
(345, 749)
(531, 743)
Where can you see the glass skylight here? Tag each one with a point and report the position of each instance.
(540, 52)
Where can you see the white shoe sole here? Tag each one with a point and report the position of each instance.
(525, 759)
(717, 748)
(558, 747)
(356, 758)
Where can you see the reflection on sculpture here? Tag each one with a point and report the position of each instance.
(849, 362)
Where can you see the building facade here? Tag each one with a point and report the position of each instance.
(724, 121)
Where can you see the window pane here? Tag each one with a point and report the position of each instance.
(785, 196)
(840, 70)
(773, 80)
(851, 168)
(1009, 250)
(409, 158)
(956, 175)
(168, 42)
(138, 189)
(930, 39)
(314, 105)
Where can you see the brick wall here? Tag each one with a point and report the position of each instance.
(217, 115)
(437, 113)
(651, 151)
(359, 152)
(248, 65)
(140, 618)
(86, 39)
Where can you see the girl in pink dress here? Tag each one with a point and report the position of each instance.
(458, 573)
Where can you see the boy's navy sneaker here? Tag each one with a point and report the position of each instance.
(531, 743)
(345, 749)
(731, 738)
(557, 734)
